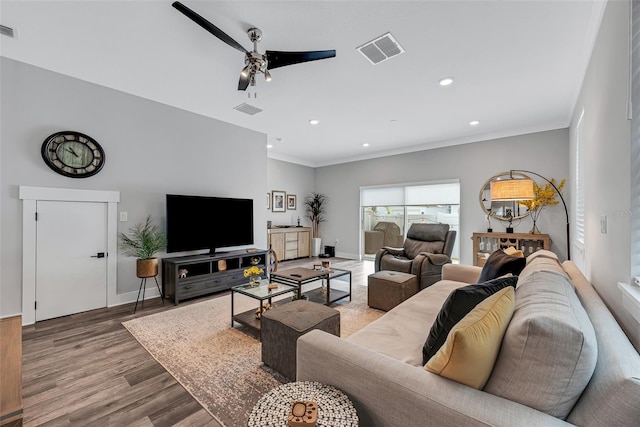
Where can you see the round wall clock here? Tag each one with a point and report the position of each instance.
(73, 154)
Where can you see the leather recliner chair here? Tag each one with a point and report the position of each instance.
(426, 249)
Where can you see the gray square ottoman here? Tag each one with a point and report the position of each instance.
(282, 326)
(389, 288)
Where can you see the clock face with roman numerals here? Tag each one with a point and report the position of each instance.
(73, 154)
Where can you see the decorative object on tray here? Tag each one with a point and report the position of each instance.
(543, 196)
(303, 414)
(272, 286)
(334, 409)
(253, 273)
(262, 309)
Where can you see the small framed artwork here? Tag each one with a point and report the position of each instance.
(278, 201)
(291, 202)
(268, 201)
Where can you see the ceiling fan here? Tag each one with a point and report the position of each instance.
(255, 62)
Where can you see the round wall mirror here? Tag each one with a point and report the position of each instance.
(502, 210)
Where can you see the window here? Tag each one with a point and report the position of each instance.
(388, 212)
(580, 188)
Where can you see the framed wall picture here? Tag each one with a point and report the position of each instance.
(268, 201)
(278, 201)
(291, 202)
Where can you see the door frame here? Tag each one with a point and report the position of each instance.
(30, 197)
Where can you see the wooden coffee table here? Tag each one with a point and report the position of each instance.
(301, 276)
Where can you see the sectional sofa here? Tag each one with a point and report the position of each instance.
(563, 359)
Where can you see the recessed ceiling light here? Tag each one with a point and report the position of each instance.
(365, 145)
(474, 122)
(313, 122)
(446, 81)
(269, 146)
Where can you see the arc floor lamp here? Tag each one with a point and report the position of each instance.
(522, 189)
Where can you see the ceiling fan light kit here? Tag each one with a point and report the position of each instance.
(255, 62)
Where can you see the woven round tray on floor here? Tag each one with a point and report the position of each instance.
(334, 407)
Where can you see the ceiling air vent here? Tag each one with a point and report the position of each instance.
(247, 109)
(380, 49)
(6, 31)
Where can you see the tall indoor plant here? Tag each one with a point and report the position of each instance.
(315, 204)
(144, 241)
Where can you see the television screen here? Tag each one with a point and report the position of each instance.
(197, 222)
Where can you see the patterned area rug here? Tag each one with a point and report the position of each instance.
(221, 367)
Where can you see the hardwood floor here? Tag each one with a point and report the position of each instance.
(87, 369)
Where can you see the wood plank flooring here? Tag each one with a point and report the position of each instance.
(87, 369)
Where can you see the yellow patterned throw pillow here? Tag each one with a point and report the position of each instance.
(473, 344)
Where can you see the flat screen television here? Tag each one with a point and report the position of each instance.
(199, 222)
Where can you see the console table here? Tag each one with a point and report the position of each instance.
(207, 273)
(486, 243)
(290, 242)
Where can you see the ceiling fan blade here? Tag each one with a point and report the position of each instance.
(278, 59)
(208, 26)
(245, 79)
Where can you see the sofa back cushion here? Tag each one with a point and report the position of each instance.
(549, 350)
(498, 264)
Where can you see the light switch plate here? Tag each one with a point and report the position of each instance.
(124, 216)
(603, 224)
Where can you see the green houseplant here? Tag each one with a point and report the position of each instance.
(315, 204)
(144, 241)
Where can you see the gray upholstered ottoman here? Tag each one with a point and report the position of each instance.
(282, 326)
(389, 288)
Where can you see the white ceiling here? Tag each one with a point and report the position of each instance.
(518, 66)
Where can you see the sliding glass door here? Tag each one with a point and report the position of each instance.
(388, 212)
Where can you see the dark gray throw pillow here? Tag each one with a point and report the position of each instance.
(498, 264)
(457, 305)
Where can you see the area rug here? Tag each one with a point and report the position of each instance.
(218, 365)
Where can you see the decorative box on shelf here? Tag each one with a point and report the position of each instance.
(486, 243)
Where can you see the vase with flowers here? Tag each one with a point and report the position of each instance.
(543, 196)
(253, 273)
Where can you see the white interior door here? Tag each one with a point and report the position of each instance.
(70, 275)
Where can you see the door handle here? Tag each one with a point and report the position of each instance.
(98, 255)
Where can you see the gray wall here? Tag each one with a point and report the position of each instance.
(545, 153)
(606, 135)
(292, 179)
(151, 149)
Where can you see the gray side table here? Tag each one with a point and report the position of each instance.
(334, 407)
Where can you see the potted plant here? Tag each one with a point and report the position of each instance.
(315, 204)
(143, 242)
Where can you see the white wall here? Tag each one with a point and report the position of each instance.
(151, 149)
(606, 135)
(292, 179)
(545, 153)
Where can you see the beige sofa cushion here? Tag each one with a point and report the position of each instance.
(549, 350)
(402, 331)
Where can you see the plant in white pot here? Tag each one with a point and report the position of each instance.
(315, 204)
(144, 241)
